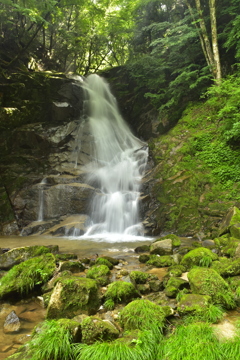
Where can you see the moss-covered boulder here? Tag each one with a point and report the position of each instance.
(140, 277)
(95, 329)
(198, 257)
(227, 267)
(100, 273)
(175, 284)
(176, 270)
(73, 266)
(20, 254)
(192, 303)
(104, 261)
(160, 261)
(73, 296)
(205, 281)
(142, 314)
(121, 292)
(143, 258)
(25, 277)
(168, 243)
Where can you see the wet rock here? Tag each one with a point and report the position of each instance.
(162, 247)
(12, 323)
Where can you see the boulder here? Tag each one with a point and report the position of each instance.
(121, 292)
(73, 296)
(205, 281)
(162, 247)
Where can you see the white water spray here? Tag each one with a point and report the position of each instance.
(118, 166)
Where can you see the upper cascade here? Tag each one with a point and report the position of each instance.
(119, 160)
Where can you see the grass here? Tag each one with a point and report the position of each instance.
(191, 342)
(52, 342)
(141, 347)
(143, 314)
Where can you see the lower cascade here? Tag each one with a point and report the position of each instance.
(119, 160)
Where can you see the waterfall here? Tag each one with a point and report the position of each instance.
(119, 160)
(41, 200)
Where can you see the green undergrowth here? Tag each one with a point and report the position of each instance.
(199, 157)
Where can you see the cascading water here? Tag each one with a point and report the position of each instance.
(41, 200)
(119, 160)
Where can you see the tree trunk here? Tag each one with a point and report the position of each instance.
(217, 63)
(204, 34)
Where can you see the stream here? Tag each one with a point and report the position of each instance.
(31, 311)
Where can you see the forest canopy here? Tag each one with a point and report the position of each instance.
(173, 49)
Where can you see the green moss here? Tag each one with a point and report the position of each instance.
(176, 270)
(173, 286)
(140, 277)
(18, 255)
(198, 257)
(227, 267)
(64, 257)
(160, 261)
(206, 281)
(121, 292)
(23, 278)
(104, 261)
(100, 273)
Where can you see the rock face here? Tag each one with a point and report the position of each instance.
(44, 178)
